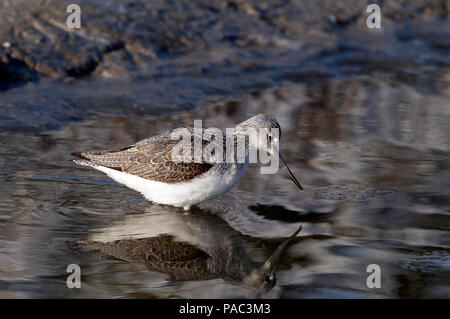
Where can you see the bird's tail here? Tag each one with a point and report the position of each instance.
(84, 161)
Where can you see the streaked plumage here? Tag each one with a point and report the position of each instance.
(151, 168)
(150, 159)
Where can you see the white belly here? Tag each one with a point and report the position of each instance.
(185, 194)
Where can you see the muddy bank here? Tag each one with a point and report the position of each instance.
(150, 58)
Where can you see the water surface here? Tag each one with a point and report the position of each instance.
(366, 128)
(373, 158)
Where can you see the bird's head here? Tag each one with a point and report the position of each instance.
(264, 134)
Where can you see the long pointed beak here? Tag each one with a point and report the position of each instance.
(272, 261)
(291, 176)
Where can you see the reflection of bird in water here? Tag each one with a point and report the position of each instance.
(168, 172)
(194, 246)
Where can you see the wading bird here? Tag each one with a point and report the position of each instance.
(163, 176)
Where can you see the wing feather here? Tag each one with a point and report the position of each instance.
(153, 159)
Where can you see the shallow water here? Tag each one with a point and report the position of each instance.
(372, 154)
(366, 128)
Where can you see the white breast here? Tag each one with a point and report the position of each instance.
(207, 186)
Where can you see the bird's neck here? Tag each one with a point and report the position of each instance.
(245, 139)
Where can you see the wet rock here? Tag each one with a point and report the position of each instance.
(434, 33)
(200, 49)
(14, 72)
(38, 36)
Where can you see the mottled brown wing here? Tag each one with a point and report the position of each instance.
(163, 254)
(152, 159)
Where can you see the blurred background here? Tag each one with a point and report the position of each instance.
(366, 127)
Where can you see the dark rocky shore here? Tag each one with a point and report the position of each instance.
(153, 57)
